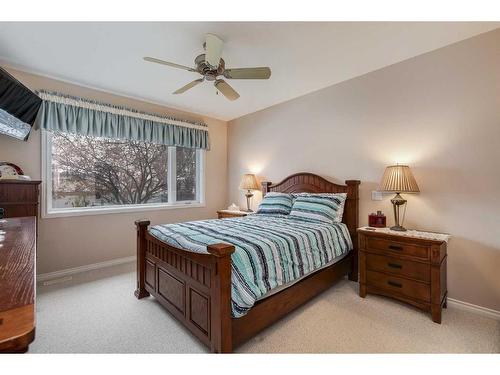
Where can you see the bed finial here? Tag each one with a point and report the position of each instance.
(142, 223)
(220, 249)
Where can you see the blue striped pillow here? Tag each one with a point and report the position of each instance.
(323, 207)
(276, 204)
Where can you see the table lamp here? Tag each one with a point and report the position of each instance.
(398, 179)
(249, 183)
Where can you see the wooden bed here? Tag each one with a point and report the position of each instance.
(196, 288)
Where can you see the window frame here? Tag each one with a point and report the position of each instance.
(49, 212)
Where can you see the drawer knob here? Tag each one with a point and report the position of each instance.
(393, 283)
(395, 265)
(396, 247)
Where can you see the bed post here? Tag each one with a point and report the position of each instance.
(352, 222)
(221, 325)
(142, 228)
(264, 187)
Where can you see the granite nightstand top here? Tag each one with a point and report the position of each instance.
(410, 233)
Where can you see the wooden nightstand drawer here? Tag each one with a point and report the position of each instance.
(397, 248)
(224, 214)
(398, 285)
(413, 270)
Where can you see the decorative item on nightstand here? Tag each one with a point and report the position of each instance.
(377, 220)
(398, 179)
(233, 207)
(249, 183)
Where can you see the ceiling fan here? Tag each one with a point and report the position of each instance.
(211, 66)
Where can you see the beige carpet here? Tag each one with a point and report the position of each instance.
(102, 316)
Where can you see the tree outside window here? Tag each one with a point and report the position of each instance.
(91, 172)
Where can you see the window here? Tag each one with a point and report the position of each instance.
(87, 175)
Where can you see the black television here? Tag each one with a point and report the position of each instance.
(18, 107)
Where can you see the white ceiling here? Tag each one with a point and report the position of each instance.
(303, 57)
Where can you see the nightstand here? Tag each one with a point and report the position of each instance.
(408, 266)
(223, 214)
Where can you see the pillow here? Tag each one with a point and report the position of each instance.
(276, 204)
(322, 207)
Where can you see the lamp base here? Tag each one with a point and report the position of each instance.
(398, 228)
(248, 195)
(397, 202)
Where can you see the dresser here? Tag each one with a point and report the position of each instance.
(223, 214)
(19, 198)
(17, 283)
(408, 266)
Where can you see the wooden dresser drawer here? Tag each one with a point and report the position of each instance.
(18, 193)
(19, 198)
(19, 210)
(413, 270)
(398, 285)
(398, 248)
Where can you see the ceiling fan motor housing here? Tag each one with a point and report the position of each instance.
(206, 70)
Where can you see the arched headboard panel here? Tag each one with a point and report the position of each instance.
(311, 183)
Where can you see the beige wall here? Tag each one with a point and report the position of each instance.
(438, 112)
(76, 241)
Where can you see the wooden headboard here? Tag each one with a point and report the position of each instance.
(311, 183)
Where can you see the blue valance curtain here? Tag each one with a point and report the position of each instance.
(62, 113)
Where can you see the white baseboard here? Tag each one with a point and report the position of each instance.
(89, 267)
(484, 311)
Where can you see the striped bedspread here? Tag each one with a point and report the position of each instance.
(271, 251)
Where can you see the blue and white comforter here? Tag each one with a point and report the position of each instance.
(271, 251)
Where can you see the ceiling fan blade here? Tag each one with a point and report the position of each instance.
(188, 86)
(213, 50)
(248, 73)
(226, 90)
(167, 63)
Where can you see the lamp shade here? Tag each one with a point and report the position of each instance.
(249, 182)
(399, 179)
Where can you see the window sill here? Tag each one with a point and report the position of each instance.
(54, 213)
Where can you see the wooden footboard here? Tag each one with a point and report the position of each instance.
(195, 288)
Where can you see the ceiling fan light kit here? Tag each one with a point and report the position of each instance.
(211, 66)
